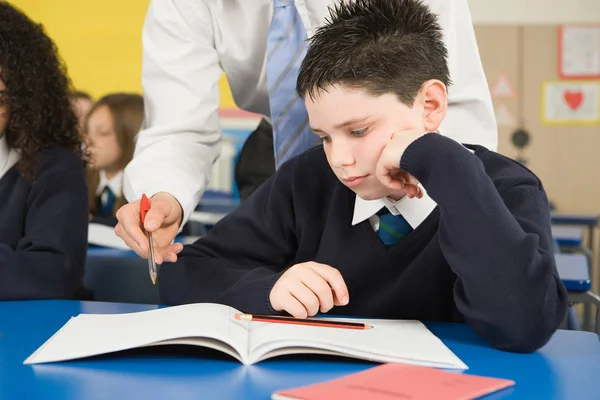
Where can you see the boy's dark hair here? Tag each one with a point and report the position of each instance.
(380, 46)
(37, 91)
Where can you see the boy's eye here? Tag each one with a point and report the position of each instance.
(359, 132)
(324, 139)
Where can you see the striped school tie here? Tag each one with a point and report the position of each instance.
(392, 228)
(286, 48)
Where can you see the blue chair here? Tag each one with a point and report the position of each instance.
(569, 239)
(120, 276)
(573, 270)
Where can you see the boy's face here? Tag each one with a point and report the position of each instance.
(355, 127)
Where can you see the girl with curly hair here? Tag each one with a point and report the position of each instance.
(43, 193)
(110, 130)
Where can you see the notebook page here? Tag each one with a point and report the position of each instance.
(94, 334)
(389, 341)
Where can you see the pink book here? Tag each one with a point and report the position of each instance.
(399, 381)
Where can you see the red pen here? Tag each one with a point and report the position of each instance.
(144, 207)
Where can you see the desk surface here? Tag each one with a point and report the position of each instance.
(576, 219)
(568, 235)
(566, 368)
(213, 207)
(574, 272)
(98, 251)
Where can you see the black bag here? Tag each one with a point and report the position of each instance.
(256, 162)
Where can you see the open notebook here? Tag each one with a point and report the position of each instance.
(214, 326)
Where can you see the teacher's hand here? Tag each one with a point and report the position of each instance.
(162, 220)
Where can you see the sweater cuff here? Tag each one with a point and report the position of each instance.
(268, 309)
(255, 299)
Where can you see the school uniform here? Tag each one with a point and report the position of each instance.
(478, 247)
(107, 194)
(43, 239)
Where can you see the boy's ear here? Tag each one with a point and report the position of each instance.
(435, 104)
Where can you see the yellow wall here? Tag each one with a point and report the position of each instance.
(100, 42)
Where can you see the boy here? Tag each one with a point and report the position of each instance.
(385, 220)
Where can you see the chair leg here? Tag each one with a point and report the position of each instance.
(588, 298)
(587, 309)
(571, 320)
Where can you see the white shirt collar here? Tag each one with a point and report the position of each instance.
(8, 156)
(115, 183)
(413, 210)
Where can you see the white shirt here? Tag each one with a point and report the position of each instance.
(188, 44)
(8, 156)
(115, 184)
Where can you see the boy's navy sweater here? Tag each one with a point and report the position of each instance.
(44, 224)
(484, 255)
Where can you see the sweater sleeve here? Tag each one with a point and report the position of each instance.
(498, 242)
(242, 257)
(49, 260)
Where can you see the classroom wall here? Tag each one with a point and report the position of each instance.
(534, 12)
(102, 48)
(100, 42)
(564, 157)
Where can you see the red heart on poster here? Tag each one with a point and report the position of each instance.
(573, 99)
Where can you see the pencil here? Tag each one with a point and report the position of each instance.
(296, 321)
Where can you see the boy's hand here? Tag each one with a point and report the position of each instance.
(388, 167)
(307, 288)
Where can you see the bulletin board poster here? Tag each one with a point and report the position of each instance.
(579, 52)
(571, 102)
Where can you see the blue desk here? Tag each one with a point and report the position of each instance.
(97, 251)
(566, 368)
(119, 275)
(213, 207)
(590, 220)
(568, 236)
(574, 272)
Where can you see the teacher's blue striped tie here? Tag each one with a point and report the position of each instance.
(286, 48)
